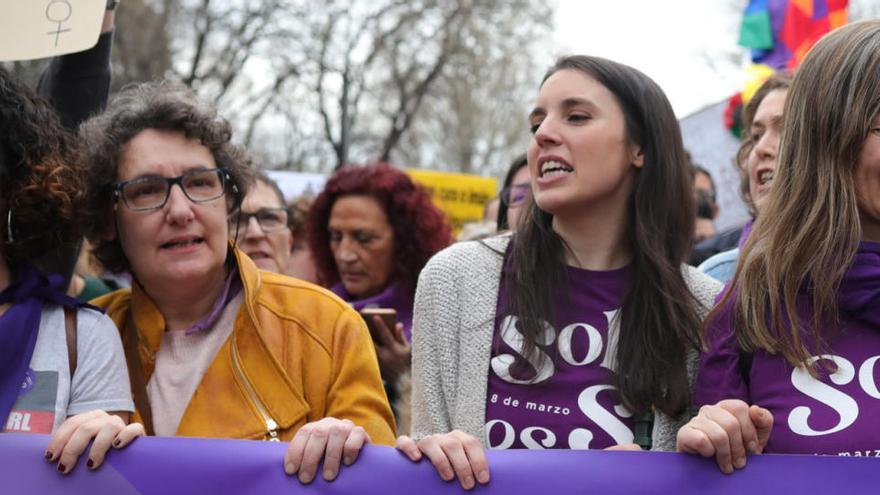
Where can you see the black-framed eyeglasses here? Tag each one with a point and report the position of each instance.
(514, 195)
(151, 193)
(269, 219)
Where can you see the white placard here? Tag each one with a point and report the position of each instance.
(293, 184)
(31, 29)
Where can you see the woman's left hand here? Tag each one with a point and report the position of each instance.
(74, 435)
(336, 440)
(392, 349)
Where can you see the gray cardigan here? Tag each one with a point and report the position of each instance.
(453, 325)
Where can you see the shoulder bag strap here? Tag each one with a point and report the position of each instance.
(70, 333)
(136, 374)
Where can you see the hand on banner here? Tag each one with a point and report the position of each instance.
(453, 454)
(336, 440)
(728, 431)
(74, 435)
(632, 447)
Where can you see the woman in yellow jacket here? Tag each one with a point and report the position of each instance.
(216, 347)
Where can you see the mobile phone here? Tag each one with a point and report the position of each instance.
(388, 315)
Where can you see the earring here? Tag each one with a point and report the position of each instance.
(9, 238)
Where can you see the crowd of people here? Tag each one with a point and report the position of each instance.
(353, 317)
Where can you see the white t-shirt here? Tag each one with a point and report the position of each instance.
(100, 381)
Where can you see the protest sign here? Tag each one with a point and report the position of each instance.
(31, 29)
(295, 184)
(461, 196)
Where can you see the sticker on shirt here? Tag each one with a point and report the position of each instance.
(34, 410)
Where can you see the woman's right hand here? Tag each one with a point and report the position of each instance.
(74, 435)
(392, 349)
(728, 431)
(453, 454)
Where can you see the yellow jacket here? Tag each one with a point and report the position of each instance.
(297, 354)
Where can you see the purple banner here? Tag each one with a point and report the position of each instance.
(191, 466)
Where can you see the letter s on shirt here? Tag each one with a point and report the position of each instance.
(511, 336)
(844, 405)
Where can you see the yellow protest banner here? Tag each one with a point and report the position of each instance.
(461, 196)
(31, 29)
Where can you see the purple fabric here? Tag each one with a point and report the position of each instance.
(20, 324)
(571, 402)
(186, 466)
(391, 297)
(835, 414)
(231, 288)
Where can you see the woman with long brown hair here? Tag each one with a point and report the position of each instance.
(796, 335)
(755, 161)
(581, 329)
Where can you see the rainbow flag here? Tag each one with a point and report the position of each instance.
(781, 32)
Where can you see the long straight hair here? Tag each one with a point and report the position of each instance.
(658, 317)
(807, 234)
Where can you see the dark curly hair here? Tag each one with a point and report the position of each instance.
(160, 105)
(39, 176)
(420, 228)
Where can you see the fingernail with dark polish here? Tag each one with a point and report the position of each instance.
(117, 442)
(90, 464)
(61, 468)
(49, 455)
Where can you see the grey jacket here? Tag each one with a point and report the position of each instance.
(453, 324)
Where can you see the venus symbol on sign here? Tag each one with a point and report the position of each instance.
(58, 11)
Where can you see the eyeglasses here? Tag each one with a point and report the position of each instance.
(515, 195)
(269, 219)
(151, 193)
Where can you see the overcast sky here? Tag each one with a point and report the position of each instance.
(687, 46)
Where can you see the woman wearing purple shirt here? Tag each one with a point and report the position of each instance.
(813, 258)
(578, 330)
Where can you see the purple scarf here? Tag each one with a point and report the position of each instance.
(391, 297)
(20, 324)
(859, 295)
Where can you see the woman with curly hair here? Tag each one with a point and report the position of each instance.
(62, 368)
(371, 231)
(215, 347)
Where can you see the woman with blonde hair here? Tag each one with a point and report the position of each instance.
(796, 335)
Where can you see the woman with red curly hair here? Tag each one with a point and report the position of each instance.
(371, 231)
(62, 369)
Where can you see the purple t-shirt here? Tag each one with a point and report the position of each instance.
(834, 414)
(565, 401)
